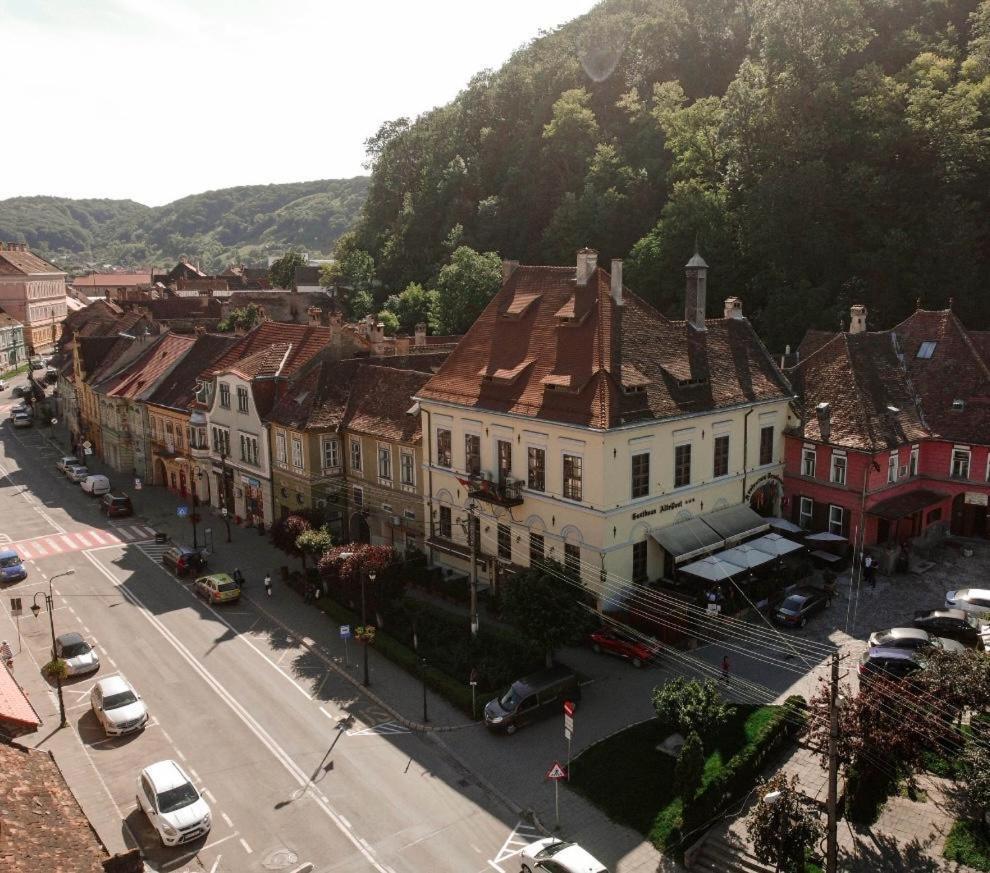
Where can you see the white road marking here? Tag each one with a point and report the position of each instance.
(209, 795)
(347, 824)
(54, 546)
(216, 864)
(178, 862)
(68, 542)
(226, 818)
(81, 537)
(218, 842)
(194, 775)
(177, 751)
(366, 844)
(247, 848)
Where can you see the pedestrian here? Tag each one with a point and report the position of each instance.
(725, 667)
(239, 578)
(870, 571)
(6, 655)
(268, 584)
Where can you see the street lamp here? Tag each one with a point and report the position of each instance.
(364, 621)
(223, 492)
(195, 504)
(422, 670)
(36, 611)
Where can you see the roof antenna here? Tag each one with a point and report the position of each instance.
(917, 303)
(952, 300)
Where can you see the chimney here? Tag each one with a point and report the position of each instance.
(420, 340)
(314, 314)
(824, 413)
(377, 337)
(508, 268)
(733, 307)
(696, 271)
(857, 318)
(587, 260)
(199, 329)
(617, 281)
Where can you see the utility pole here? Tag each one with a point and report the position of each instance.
(473, 539)
(831, 835)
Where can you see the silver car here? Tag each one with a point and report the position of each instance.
(79, 656)
(975, 601)
(912, 638)
(77, 474)
(117, 706)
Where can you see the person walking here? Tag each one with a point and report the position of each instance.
(725, 667)
(6, 655)
(268, 584)
(869, 570)
(239, 578)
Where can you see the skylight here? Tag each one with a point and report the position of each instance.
(926, 349)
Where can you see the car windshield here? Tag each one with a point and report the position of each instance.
(121, 698)
(792, 604)
(552, 849)
(227, 586)
(177, 798)
(74, 650)
(510, 700)
(11, 561)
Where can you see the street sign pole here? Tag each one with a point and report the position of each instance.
(345, 633)
(568, 732)
(474, 692)
(556, 804)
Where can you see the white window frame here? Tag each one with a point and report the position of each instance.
(892, 463)
(436, 443)
(297, 453)
(280, 451)
(638, 453)
(537, 448)
(836, 455)
(356, 455)
(405, 456)
(242, 395)
(832, 509)
(224, 391)
(331, 453)
(384, 453)
(914, 459)
(802, 514)
(960, 451)
(580, 459)
(809, 453)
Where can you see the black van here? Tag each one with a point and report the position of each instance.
(532, 698)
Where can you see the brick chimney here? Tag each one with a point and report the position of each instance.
(420, 339)
(617, 281)
(508, 268)
(376, 334)
(587, 260)
(733, 307)
(824, 413)
(857, 318)
(695, 292)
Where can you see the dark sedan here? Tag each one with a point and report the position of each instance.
(952, 624)
(801, 603)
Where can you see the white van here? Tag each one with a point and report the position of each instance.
(96, 485)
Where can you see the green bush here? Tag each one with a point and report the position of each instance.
(690, 766)
(867, 789)
(968, 842)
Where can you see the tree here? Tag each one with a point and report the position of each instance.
(243, 318)
(464, 287)
(282, 273)
(545, 607)
(352, 266)
(976, 775)
(360, 304)
(690, 767)
(691, 706)
(414, 306)
(314, 542)
(781, 826)
(342, 568)
(285, 532)
(959, 680)
(389, 321)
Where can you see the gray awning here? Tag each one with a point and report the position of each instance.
(746, 556)
(785, 525)
(713, 568)
(736, 523)
(775, 544)
(686, 539)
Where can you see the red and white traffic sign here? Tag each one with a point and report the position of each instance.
(556, 771)
(569, 707)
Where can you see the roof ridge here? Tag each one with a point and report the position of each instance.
(859, 394)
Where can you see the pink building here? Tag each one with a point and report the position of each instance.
(32, 291)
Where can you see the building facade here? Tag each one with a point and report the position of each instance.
(13, 350)
(32, 292)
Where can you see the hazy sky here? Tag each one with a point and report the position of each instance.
(156, 99)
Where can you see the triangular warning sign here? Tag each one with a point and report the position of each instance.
(556, 772)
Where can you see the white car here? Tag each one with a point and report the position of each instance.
(173, 804)
(21, 419)
(117, 706)
(95, 484)
(975, 601)
(79, 656)
(63, 463)
(77, 474)
(551, 854)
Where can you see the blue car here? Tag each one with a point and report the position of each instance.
(11, 568)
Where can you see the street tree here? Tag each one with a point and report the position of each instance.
(781, 825)
(960, 680)
(282, 273)
(976, 776)
(692, 706)
(464, 287)
(690, 767)
(313, 542)
(545, 607)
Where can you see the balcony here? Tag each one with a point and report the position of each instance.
(200, 450)
(504, 492)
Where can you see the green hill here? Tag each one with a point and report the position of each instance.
(823, 153)
(216, 228)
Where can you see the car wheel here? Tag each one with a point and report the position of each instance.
(525, 869)
(804, 621)
(511, 729)
(636, 662)
(597, 649)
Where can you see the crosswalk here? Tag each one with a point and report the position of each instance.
(519, 837)
(77, 541)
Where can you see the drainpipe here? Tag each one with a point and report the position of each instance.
(749, 412)
(428, 441)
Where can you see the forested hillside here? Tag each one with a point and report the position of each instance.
(821, 152)
(216, 228)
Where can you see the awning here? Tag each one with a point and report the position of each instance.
(775, 544)
(713, 569)
(686, 539)
(746, 556)
(736, 523)
(785, 525)
(825, 537)
(17, 715)
(906, 504)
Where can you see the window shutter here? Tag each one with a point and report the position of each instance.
(845, 522)
(795, 507)
(819, 517)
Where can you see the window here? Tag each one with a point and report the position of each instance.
(242, 400)
(280, 447)
(443, 448)
(225, 395)
(356, 455)
(504, 451)
(892, 468)
(838, 468)
(926, 349)
(572, 477)
(806, 509)
(537, 469)
(682, 465)
(331, 453)
(960, 464)
(505, 542)
(407, 468)
(639, 561)
(913, 463)
(358, 497)
(297, 454)
(720, 465)
(572, 559)
(808, 458)
(766, 445)
(221, 441)
(445, 522)
(535, 549)
(641, 475)
(472, 454)
(384, 462)
(249, 450)
(835, 514)
(934, 515)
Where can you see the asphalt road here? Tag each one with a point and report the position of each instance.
(252, 716)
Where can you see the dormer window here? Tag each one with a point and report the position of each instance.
(926, 349)
(958, 405)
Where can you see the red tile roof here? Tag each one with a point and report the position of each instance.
(25, 263)
(17, 715)
(141, 375)
(177, 390)
(117, 280)
(305, 341)
(548, 348)
(380, 403)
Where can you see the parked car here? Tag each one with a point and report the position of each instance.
(183, 559)
(218, 588)
(533, 697)
(37, 364)
(21, 419)
(795, 609)
(116, 506)
(21, 391)
(912, 638)
(117, 706)
(65, 461)
(173, 804)
(51, 375)
(71, 465)
(95, 484)
(888, 663)
(552, 855)
(625, 646)
(952, 624)
(975, 601)
(78, 473)
(79, 656)
(11, 566)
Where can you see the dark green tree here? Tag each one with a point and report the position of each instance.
(413, 306)
(691, 706)
(690, 767)
(464, 287)
(282, 274)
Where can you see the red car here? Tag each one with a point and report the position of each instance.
(633, 650)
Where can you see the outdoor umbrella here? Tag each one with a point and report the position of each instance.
(776, 545)
(825, 537)
(713, 569)
(746, 556)
(785, 525)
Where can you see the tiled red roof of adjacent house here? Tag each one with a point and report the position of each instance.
(548, 348)
(7, 321)
(141, 375)
(94, 350)
(305, 341)
(43, 826)
(16, 712)
(178, 389)
(380, 403)
(24, 262)
(266, 362)
(116, 280)
(813, 340)
(184, 307)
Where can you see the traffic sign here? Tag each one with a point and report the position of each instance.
(87, 451)
(182, 511)
(569, 707)
(568, 726)
(87, 444)
(556, 772)
(15, 606)
(345, 631)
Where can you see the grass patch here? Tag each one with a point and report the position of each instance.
(968, 843)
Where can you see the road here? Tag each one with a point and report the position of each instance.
(298, 767)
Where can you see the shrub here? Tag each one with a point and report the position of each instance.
(968, 843)
(691, 706)
(690, 766)
(55, 669)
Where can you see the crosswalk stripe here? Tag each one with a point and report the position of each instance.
(39, 548)
(68, 542)
(99, 537)
(25, 551)
(135, 533)
(80, 537)
(54, 546)
(148, 531)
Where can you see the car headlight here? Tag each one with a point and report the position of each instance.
(497, 719)
(168, 830)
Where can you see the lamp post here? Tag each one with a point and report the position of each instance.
(224, 511)
(422, 670)
(36, 611)
(364, 621)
